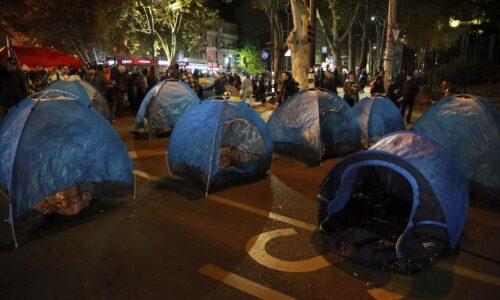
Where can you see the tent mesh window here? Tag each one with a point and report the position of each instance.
(368, 229)
(241, 143)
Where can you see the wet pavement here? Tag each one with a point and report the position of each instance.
(257, 240)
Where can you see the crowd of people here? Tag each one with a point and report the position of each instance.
(125, 87)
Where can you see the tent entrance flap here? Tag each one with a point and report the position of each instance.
(380, 202)
(241, 143)
(376, 220)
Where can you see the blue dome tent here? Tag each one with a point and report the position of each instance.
(423, 189)
(312, 124)
(49, 145)
(218, 142)
(85, 92)
(377, 117)
(470, 127)
(163, 105)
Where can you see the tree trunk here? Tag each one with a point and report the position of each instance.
(364, 48)
(297, 42)
(389, 51)
(350, 43)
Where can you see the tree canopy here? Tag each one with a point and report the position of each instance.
(250, 59)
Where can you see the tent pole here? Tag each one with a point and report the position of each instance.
(11, 221)
(135, 185)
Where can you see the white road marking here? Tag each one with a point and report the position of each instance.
(466, 272)
(262, 212)
(145, 175)
(256, 248)
(241, 283)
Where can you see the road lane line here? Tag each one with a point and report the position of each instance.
(262, 212)
(469, 273)
(256, 248)
(145, 175)
(241, 283)
(490, 279)
(146, 153)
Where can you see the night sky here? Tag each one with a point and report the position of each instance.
(251, 22)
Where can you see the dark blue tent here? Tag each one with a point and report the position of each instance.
(377, 117)
(85, 92)
(312, 124)
(48, 145)
(424, 177)
(164, 104)
(217, 142)
(470, 127)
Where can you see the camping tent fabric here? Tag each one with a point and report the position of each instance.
(194, 146)
(47, 57)
(434, 174)
(47, 146)
(85, 92)
(311, 120)
(377, 117)
(470, 127)
(164, 104)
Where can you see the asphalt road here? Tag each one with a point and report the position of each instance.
(254, 240)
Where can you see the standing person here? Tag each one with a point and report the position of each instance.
(329, 82)
(237, 83)
(142, 86)
(395, 89)
(287, 87)
(120, 79)
(351, 92)
(152, 78)
(377, 84)
(12, 86)
(363, 79)
(219, 85)
(246, 87)
(410, 91)
(99, 80)
(188, 78)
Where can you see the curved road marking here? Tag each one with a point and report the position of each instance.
(256, 248)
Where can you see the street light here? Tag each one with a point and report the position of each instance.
(454, 23)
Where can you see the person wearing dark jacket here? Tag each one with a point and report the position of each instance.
(120, 80)
(410, 91)
(377, 85)
(395, 89)
(219, 85)
(288, 87)
(12, 86)
(329, 83)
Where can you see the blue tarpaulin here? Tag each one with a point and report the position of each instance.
(438, 190)
(48, 146)
(164, 104)
(85, 92)
(313, 124)
(470, 127)
(377, 117)
(215, 131)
